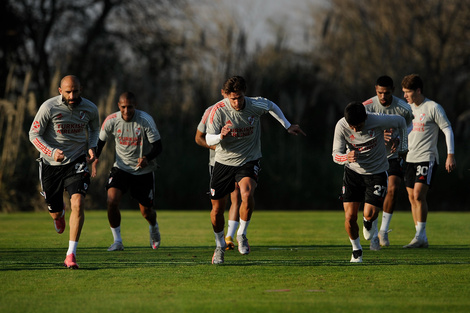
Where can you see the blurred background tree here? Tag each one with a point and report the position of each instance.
(176, 54)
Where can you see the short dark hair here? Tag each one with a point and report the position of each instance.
(384, 81)
(355, 113)
(412, 82)
(234, 84)
(128, 95)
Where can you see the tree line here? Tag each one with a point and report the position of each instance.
(175, 55)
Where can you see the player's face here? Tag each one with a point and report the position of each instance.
(127, 108)
(384, 94)
(237, 100)
(70, 91)
(357, 128)
(411, 95)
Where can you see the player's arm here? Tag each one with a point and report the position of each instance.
(102, 137)
(157, 148)
(277, 113)
(215, 139)
(215, 131)
(36, 131)
(451, 164)
(200, 139)
(93, 135)
(99, 149)
(400, 123)
(339, 148)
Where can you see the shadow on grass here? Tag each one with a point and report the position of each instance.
(98, 258)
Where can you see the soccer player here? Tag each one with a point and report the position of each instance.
(234, 128)
(359, 145)
(137, 144)
(386, 103)
(423, 158)
(59, 133)
(235, 200)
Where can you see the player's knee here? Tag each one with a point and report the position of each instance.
(247, 195)
(350, 217)
(392, 191)
(77, 201)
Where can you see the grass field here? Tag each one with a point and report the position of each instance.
(299, 263)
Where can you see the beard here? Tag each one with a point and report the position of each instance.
(73, 102)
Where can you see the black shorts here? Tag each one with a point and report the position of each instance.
(73, 177)
(142, 187)
(224, 177)
(364, 188)
(422, 172)
(395, 167)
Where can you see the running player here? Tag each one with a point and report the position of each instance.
(359, 145)
(137, 144)
(423, 157)
(233, 215)
(386, 103)
(59, 133)
(234, 127)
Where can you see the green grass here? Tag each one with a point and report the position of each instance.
(299, 263)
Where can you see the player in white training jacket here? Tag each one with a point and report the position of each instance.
(64, 128)
(233, 215)
(359, 145)
(234, 127)
(423, 158)
(386, 103)
(137, 143)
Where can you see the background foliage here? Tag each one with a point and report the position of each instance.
(175, 56)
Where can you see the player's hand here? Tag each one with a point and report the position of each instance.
(142, 162)
(387, 135)
(352, 156)
(295, 129)
(93, 168)
(91, 155)
(59, 155)
(450, 163)
(395, 144)
(225, 131)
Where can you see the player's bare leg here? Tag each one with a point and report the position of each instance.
(419, 209)
(351, 210)
(233, 218)
(247, 190)
(77, 218)
(151, 216)
(388, 208)
(218, 223)
(114, 218)
(370, 229)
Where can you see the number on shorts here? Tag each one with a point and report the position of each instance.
(80, 168)
(422, 170)
(380, 190)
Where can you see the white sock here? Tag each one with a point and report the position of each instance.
(116, 234)
(72, 247)
(219, 239)
(154, 227)
(375, 228)
(243, 227)
(386, 218)
(356, 243)
(232, 227)
(421, 230)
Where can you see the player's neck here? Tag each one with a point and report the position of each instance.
(419, 100)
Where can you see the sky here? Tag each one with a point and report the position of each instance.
(259, 17)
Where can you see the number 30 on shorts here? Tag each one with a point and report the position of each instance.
(380, 190)
(422, 170)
